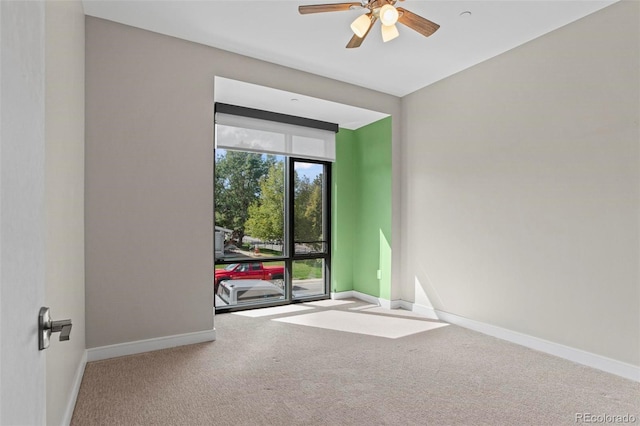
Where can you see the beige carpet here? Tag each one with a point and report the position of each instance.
(266, 372)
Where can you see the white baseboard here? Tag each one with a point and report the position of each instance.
(579, 356)
(387, 304)
(77, 380)
(426, 311)
(342, 295)
(140, 346)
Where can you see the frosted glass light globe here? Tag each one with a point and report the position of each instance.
(388, 15)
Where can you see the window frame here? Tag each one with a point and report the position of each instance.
(290, 255)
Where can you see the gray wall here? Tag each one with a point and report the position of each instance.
(521, 179)
(64, 198)
(149, 163)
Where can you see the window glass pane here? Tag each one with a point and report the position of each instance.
(249, 283)
(308, 277)
(308, 226)
(249, 205)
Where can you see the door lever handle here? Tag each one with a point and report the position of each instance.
(46, 326)
(63, 327)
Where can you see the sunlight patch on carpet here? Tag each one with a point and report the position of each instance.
(395, 312)
(363, 307)
(329, 303)
(276, 310)
(353, 322)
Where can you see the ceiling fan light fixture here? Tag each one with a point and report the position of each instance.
(388, 15)
(389, 32)
(383, 10)
(361, 25)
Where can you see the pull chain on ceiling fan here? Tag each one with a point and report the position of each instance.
(383, 10)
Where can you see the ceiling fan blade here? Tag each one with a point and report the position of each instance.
(417, 22)
(336, 7)
(357, 41)
(354, 42)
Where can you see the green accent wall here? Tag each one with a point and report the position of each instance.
(361, 210)
(343, 212)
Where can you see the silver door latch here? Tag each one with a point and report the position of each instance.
(46, 327)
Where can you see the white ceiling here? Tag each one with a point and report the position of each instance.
(273, 31)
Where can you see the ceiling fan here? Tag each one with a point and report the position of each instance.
(384, 10)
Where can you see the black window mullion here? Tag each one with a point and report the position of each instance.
(326, 206)
(289, 224)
